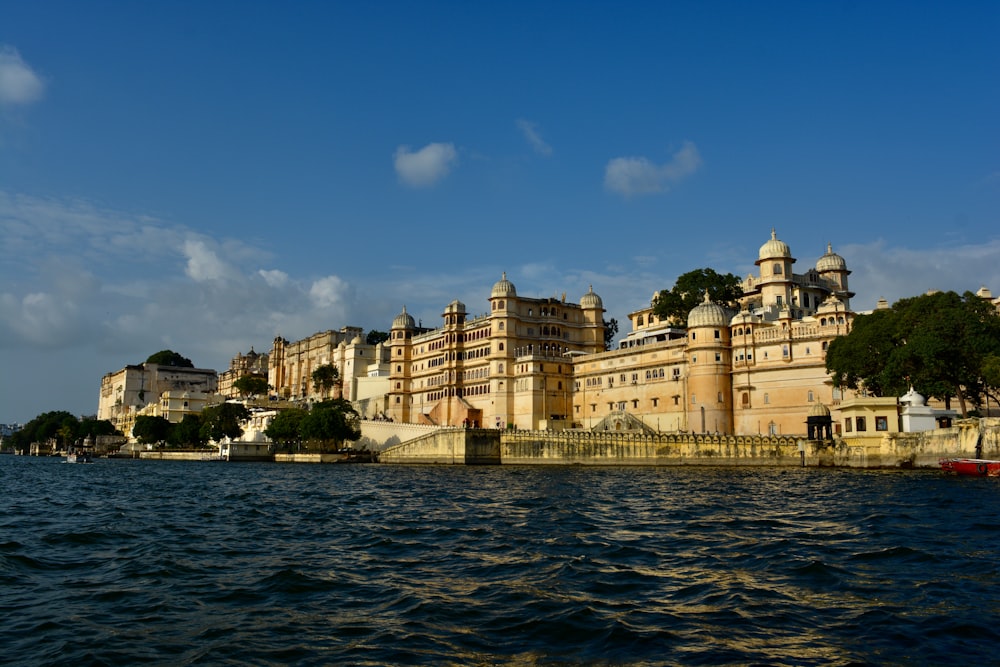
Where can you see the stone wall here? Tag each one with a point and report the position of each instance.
(448, 446)
(378, 435)
(609, 448)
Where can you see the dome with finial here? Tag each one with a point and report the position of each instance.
(503, 288)
(831, 261)
(819, 410)
(404, 321)
(708, 314)
(774, 248)
(591, 300)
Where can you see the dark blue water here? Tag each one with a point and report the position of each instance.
(131, 562)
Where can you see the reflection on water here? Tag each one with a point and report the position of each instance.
(132, 561)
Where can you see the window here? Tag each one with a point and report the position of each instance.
(881, 424)
(777, 270)
(767, 399)
(848, 423)
(693, 401)
(745, 399)
(809, 396)
(717, 333)
(860, 424)
(718, 357)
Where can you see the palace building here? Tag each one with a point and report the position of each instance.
(511, 366)
(542, 363)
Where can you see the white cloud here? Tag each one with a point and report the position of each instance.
(18, 82)
(639, 176)
(426, 166)
(328, 292)
(895, 272)
(203, 263)
(274, 278)
(530, 132)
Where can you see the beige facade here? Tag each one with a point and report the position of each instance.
(511, 366)
(126, 393)
(291, 365)
(250, 363)
(541, 363)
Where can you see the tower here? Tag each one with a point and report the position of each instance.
(709, 361)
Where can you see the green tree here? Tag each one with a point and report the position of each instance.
(58, 424)
(285, 429)
(610, 331)
(91, 428)
(187, 433)
(325, 378)
(375, 337)
(674, 305)
(223, 421)
(329, 423)
(150, 430)
(250, 385)
(169, 358)
(991, 377)
(939, 343)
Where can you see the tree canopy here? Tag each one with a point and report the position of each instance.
(187, 433)
(325, 377)
(610, 331)
(689, 290)
(223, 421)
(941, 344)
(285, 428)
(58, 424)
(169, 358)
(375, 337)
(329, 423)
(251, 385)
(150, 430)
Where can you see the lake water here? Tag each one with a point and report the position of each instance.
(177, 563)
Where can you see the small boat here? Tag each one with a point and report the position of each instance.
(79, 457)
(975, 467)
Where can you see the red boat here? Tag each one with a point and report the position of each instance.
(975, 467)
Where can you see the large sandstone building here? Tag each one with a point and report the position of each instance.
(542, 363)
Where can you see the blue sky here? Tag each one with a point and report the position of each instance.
(204, 176)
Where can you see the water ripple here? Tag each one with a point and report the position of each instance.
(126, 562)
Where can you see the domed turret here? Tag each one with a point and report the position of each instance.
(503, 288)
(708, 314)
(404, 321)
(774, 249)
(819, 410)
(913, 398)
(831, 261)
(591, 300)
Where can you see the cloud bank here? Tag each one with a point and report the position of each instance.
(631, 176)
(425, 167)
(19, 84)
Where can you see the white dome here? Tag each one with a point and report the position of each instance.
(831, 261)
(708, 314)
(503, 288)
(591, 300)
(774, 248)
(404, 321)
